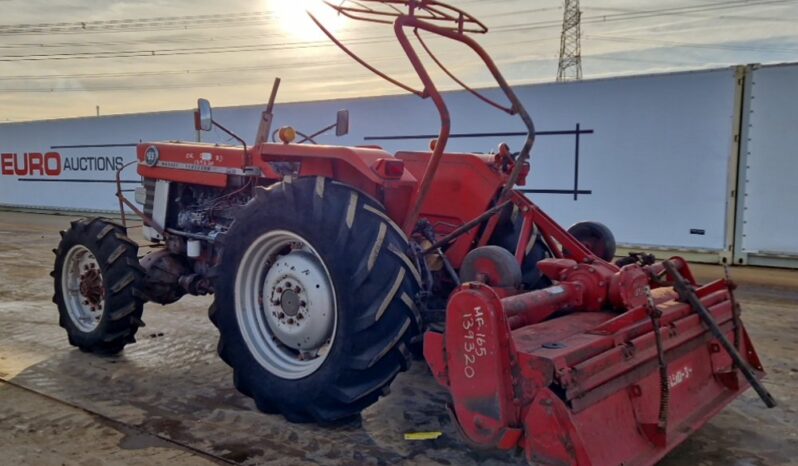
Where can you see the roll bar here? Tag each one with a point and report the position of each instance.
(445, 21)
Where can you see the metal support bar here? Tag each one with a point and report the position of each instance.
(190, 235)
(266, 118)
(576, 165)
(363, 62)
(312, 137)
(465, 228)
(687, 294)
(454, 78)
(425, 184)
(123, 201)
(449, 269)
(409, 20)
(665, 388)
(736, 311)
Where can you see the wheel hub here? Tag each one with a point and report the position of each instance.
(82, 286)
(290, 302)
(91, 286)
(285, 304)
(298, 302)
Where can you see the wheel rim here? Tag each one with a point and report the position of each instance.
(285, 304)
(82, 288)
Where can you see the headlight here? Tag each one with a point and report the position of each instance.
(141, 195)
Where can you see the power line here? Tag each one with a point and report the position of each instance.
(154, 39)
(702, 7)
(84, 24)
(187, 72)
(203, 50)
(696, 45)
(239, 19)
(178, 23)
(777, 19)
(464, 62)
(645, 14)
(179, 51)
(628, 14)
(256, 18)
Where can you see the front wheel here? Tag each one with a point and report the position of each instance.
(97, 277)
(315, 300)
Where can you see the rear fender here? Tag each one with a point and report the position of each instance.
(354, 166)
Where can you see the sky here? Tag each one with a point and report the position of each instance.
(62, 59)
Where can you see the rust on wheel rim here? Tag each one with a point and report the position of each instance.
(82, 288)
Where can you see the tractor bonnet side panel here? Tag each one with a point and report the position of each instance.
(203, 164)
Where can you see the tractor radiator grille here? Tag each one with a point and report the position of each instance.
(149, 202)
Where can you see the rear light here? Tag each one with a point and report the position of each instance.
(390, 168)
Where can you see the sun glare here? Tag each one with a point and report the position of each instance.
(294, 20)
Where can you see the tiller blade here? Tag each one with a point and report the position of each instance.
(562, 374)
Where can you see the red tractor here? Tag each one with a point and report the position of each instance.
(329, 265)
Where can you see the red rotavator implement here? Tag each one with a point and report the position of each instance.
(328, 264)
(612, 364)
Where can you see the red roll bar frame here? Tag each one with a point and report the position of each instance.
(445, 21)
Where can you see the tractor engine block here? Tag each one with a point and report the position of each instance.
(201, 209)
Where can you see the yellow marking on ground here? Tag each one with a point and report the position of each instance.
(422, 435)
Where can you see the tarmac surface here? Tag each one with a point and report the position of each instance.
(168, 399)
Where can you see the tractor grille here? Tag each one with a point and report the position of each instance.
(149, 188)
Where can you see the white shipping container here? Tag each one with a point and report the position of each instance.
(767, 216)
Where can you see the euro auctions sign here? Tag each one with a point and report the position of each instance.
(52, 164)
(73, 179)
(48, 164)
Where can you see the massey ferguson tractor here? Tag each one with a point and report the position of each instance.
(331, 266)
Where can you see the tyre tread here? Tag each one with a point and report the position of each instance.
(124, 299)
(357, 229)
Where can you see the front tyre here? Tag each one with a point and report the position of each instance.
(315, 300)
(97, 277)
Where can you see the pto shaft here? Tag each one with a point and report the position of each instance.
(536, 306)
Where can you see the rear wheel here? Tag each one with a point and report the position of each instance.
(315, 302)
(96, 277)
(596, 237)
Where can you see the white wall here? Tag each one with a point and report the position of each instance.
(654, 166)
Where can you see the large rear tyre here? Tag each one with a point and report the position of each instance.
(315, 300)
(97, 277)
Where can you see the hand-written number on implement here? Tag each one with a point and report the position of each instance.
(474, 342)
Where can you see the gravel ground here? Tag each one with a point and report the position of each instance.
(169, 400)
